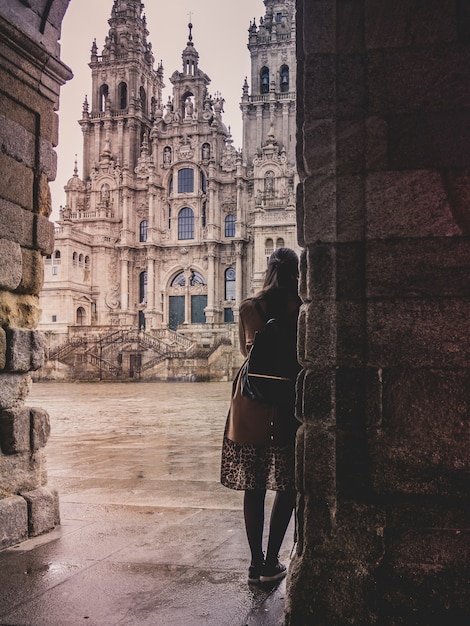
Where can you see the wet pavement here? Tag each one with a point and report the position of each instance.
(148, 536)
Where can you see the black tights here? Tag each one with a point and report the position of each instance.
(253, 509)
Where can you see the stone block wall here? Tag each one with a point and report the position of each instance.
(383, 215)
(30, 77)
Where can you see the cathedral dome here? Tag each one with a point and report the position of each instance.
(75, 183)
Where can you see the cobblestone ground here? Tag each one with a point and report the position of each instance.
(148, 534)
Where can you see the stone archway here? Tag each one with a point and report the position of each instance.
(384, 331)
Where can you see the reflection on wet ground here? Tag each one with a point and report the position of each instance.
(148, 534)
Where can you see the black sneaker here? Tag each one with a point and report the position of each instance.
(254, 572)
(271, 573)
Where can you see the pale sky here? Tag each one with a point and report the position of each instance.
(220, 35)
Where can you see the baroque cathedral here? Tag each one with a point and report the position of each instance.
(170, 226)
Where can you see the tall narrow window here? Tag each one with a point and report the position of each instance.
(81, 316)
(264, 80)
(279, 242)
(170, 185)
(230, 284)
(186, 180)
(104, 92)
(268, 247)
(122, 95)
(204, 214)
(284, 78)
(203, 182)
(186, 224)
(230, 225)
(143, 100)
(143, 287)
(143, 230)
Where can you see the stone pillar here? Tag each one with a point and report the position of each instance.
(124, 280)
(31, 75)
(382, 456)
(151, 281)
(211, 284)
(187, 295)
(239, 273)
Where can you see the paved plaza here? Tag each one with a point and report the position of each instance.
(148, 535)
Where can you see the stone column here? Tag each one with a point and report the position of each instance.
(239, 273)
(384, 334)
(151, 281)
(259, 125)
(187, 296)
(124, 280)
(31, 75)
(152, 217)
(211, 284)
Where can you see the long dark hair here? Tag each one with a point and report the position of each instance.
(281, 279)
(282, 271)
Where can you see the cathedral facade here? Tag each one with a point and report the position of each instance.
(170, 226)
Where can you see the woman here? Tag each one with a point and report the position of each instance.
(259, 438)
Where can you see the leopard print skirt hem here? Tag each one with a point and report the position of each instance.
(246, 466)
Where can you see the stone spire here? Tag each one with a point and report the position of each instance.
(127, 34)
(190, 55)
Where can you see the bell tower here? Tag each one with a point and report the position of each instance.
(126, 90)
(269, 131)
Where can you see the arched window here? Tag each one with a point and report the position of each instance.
(143, 287)
(279, 242)
(74, 259)
(268, 247)
(143, 100)
(57, 254)
(87, 262)
(104, 92)
(196, 279)
(178, 281)
(143, 230)
(186, 224)
(81, 316)
(230, 284)
(284, 78)
(230, 225)
(185, 180)
(122, 95)
(264, 75)
(80, 260)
